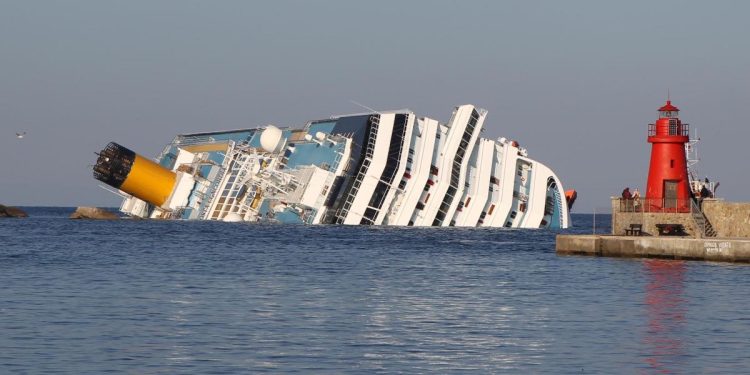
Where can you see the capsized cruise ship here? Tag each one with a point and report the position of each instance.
(378, 168)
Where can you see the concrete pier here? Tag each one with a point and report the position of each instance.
(709, 249)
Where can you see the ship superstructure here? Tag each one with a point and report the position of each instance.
(379, 168)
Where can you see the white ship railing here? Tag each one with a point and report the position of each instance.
(207, 204)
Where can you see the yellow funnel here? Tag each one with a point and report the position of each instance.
(142, 178)
(149, 181)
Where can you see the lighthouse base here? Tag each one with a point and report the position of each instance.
(726, 219)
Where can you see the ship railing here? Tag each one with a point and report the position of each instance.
(559, 202)
(191, 140)
(344, 211)
(213, 188)
(240, 169)
(210, 194)
(164, 153)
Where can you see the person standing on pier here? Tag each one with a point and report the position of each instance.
(626, 199)
(626, 193)
(636, 199)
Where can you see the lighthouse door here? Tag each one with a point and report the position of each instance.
(670, 194)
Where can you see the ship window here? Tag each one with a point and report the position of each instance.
(370, 214)
(513, 215)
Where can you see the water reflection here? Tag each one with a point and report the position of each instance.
(665, 306)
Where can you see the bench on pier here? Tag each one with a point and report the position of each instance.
(670, 229)
(634, 230)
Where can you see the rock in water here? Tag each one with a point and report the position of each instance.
(6, 211)
(93, 213)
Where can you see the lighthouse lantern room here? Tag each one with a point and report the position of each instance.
(668, 187)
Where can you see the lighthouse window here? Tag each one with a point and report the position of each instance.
(671, 163)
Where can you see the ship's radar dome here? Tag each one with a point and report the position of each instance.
(271, 139)
(320, 136)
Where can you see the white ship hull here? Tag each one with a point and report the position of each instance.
(381, 168)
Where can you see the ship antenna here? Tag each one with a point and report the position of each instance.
(362, 105)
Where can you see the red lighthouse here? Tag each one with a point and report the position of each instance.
(668, 185)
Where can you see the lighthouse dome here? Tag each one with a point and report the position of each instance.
(668, 107)
(668, 110)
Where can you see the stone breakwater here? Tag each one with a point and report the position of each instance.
(710, 249)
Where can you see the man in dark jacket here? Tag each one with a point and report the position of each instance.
(626, 203)
(626, 193)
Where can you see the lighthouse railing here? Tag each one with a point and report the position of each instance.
(679, 129)
(655, 205)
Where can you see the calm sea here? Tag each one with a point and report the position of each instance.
(204, 297)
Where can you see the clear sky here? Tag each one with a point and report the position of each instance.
(575, 82)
